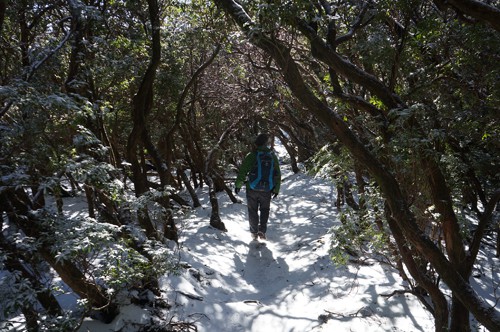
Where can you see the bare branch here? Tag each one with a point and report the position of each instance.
(477, 9)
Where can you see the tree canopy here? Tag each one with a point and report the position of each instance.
(395, 101)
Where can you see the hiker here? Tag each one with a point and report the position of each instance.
(260, 171)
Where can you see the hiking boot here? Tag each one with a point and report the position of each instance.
(254, 236)
(262, 235)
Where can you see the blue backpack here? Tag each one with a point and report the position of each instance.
(261, 177)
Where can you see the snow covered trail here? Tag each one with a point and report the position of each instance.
(287, 283)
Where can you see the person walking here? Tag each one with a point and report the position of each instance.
(261, 173)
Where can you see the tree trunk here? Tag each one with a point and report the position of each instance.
(497, 228)
(361, 184)
(454, 243)
(215, 220)
(89, 194)
(192, 193)
(224, 187)
(210, 173)
(3, 9)
(31, 316)
(86, 289)
(195, 155)
(18, 212)
(389, 186)
(169, 228)
(142, 105)
(13, 263)
(440, 306)
(477, 9)
(106, 139)
(291, 152)
(78, 51)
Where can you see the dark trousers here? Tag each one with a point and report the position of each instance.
(258, 201)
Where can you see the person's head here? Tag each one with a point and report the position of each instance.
(262, 140)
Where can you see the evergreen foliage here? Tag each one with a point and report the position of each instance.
(395, 101)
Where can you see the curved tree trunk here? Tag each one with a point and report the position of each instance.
(194, 153)
(210, 174)
(18, 211)
(142, 105)
(192, 193)
(477, 9)
(439, 309)
(400, 212)
(221, 184)
(455, 249)
(291, 152)
(15, 263)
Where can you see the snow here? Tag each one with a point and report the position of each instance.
(287, 283)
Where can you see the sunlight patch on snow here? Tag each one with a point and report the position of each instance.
(287, 283)
(130, 315)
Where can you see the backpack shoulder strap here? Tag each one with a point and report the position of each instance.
(266, 175)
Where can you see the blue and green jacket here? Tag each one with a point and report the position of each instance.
(249, 163)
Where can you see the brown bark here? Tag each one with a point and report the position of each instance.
(215, 220)
(194, 154)
(3, 9)
(484, 220)
(25, 34)
(89, 194)
(78, 51)
(497, 228)
(211, 174)
(291, 152)
(143, 100)
(441, 197)
(223, 186)
(361, 184)
(192, 193)
(455, 249)
(440, 305)
(169, 227)
(477, 9)
(106, 139)
(31, 317)
(399, 208)
(180, 104)
(38, 197)
(142, 105)
(14, 263)
(18, 211)
(342, 67)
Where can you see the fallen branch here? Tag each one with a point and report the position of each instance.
(253, 302)
(397, 292)
(362, 312)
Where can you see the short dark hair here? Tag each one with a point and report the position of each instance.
(262, 140)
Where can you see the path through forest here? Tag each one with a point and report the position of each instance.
(287, 283)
